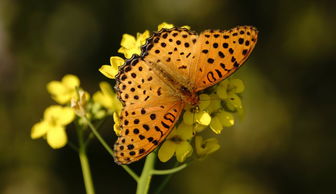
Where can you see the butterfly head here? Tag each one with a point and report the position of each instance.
(189, 96)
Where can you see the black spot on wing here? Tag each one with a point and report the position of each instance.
(210, 76)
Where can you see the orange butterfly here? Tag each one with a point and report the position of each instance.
(175, 64)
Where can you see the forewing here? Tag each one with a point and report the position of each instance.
(221, 53)
(172, 50)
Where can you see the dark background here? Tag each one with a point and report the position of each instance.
(285, 144)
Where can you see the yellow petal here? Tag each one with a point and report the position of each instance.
(203, 118)
(129, 52)
(106, 89)
(215, 125)
(117, 106)
(102, 99)
(99, 114)
(188, 118)
(166, 151)
(184, 131)
(142, 37)
(165, 25)
(67, 116)
(52, 112)
(55, 87)
(183, 150)
(215, 104)
(58, 115)
(226, 118)
(198, 127)
(70, 81)
(107, 98)
(116, 126)
(122, 50)
(109, 71)
(116, 118)
(116, 61)
(117, 129)
(233, 102)
(205, 147)
(64, 98)
(204, 101)
(236, 86)
(127, 41)
(211, 145)
(39, 129)
(187, 27)
(56, 137)
(224, 83)
(221, 92)
(63, 91)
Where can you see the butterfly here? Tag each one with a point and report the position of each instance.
(174, 66)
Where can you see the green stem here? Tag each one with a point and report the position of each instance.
(146, 175)
(169, 171)
(109, 150)
(85, 164)
(91, 135)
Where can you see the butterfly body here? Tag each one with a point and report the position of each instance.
(175, 64)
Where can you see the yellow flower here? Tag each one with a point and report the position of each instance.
(110, 71)
(62, 91)
(187, 27)
(177, 143)
(215, 104)
(131, 45)
(52, 127)
(199, 114)
(168, 26)
(97, 110)
(222, 89)
(165, 25)
(234, 103)
(236, 86)
(205, 147)
(220, 120)
(116, 126)
(227, 91)
(188, 117)
(78, 104)
(107, 98)
(203, 118)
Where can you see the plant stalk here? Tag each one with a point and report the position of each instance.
(85, 164)
(146, 175)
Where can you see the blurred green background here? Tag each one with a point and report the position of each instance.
(285, 144)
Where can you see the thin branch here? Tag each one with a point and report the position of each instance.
(169, 171)
(109, 150)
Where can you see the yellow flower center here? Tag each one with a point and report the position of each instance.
(53, 121)
(176, 139)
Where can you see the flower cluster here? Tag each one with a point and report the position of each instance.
(215, 110)
(72, 101)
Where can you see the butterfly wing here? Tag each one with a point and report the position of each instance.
(221, 53)
(148, 86)
(173, 51)
(150, 110)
